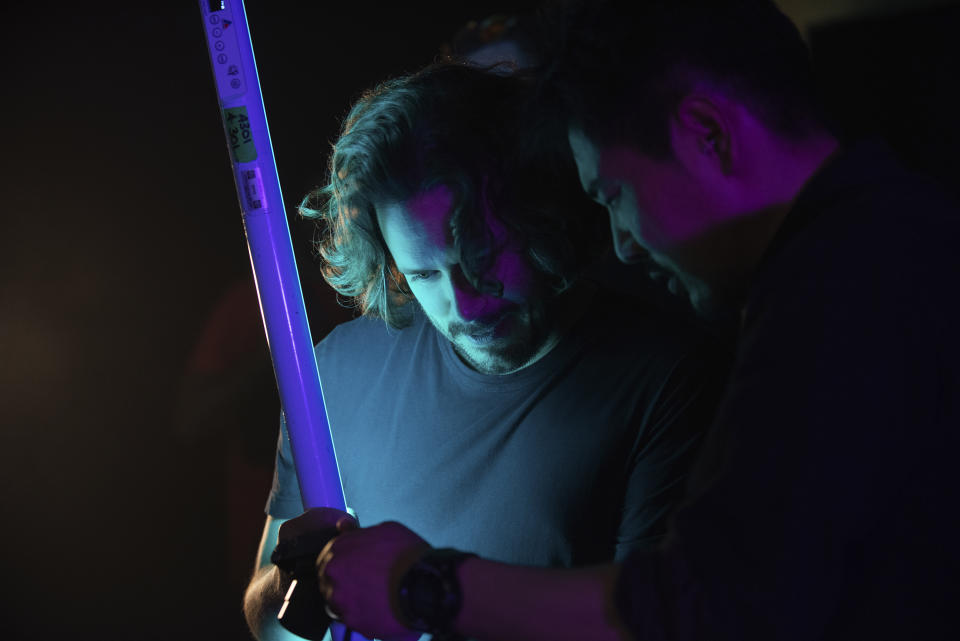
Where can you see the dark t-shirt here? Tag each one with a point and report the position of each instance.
(572, 460)
(825, 505)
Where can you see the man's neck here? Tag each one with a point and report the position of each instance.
(571, 306)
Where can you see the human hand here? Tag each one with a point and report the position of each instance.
(314, 519)
(299, 541)
(308, 533)
(359, 573)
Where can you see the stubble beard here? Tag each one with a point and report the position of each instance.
(529, 332)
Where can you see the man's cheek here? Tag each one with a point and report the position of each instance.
(513, 272)
(431, 304)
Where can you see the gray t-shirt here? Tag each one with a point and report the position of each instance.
(575, 459)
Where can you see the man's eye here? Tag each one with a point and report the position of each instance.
(415, 276)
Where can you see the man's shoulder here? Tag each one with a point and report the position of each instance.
(901, 211)
(357, 328)
(864, 265)
(875, 222)
(366, 335)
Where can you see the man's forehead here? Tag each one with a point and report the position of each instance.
(416, 230)
(425, 215)
(421, 224)
(432, 206)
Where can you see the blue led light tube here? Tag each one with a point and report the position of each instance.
(271, 252)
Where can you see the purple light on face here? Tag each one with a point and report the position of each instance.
(430, 208)
(657, 201)
(480, 309)
(474, 306)
(495, 329)
(483, 330)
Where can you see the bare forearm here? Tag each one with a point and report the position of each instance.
(262, 602)
(513, 603)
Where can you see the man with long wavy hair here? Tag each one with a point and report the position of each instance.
(485, 375)
(824, 504)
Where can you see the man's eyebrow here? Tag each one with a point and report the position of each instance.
(422, 265)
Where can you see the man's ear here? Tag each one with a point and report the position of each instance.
(702, 132)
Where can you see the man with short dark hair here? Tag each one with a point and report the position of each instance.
(824, 504)
(495, 379)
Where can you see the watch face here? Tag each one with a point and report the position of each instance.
(426, 592)
(430, 593)
(427, 597)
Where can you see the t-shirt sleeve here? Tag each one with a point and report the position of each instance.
(667, 442)
(284, 501)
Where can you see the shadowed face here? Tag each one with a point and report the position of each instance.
(495, 332)
(655, 208)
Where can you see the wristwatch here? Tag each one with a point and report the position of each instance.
(429, 596)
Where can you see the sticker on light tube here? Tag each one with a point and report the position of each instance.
(252, 186)
(240, 135)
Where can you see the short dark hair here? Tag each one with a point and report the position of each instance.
(469, 130)
(620, 67)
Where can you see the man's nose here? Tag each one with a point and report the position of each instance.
(628, 250)
(471, 304)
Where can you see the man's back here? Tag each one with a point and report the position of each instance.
(830, 480)
(606, 424)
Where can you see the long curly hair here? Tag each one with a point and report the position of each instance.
(471, 131)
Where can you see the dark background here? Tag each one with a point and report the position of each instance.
(137, 407)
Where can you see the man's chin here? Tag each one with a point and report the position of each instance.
(494, 357)
(713, 310)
